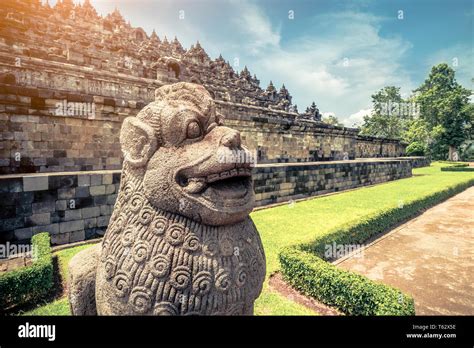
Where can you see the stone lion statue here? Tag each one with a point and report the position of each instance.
(180, 240)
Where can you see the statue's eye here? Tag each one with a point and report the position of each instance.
(194, 130)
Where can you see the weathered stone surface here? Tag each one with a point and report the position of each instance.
(127, 69)
(82, 275)
(35, 183)
(179, 223)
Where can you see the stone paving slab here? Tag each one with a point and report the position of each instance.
(430, 257)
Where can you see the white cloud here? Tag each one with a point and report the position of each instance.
(327, 114)
(357, 118)
(339, 69)
(256, 27)
(338, 60)
(460, 58)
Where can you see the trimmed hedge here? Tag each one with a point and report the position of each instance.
(304, 267)
(350, 292)
(458, 168)
(31, 283)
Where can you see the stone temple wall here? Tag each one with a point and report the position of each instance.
(369, 147)
(70, 206)
(69, 55)
(68, 79)
(74, 206)
(36, 139)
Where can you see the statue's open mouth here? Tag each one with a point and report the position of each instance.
(231, 186)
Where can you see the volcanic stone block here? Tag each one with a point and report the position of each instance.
(50, 228)
(66, 193)
(62, 181)
(90, 212)
(82, 191)
(11, 224)
(38, 219)
(90, 223)
(83, 180)
(23, 233)
(107, 179)
(103, 221)
(95, 179)
(70, 226)
(77, 236)
(61, 204)
(75, 214)
(44, 207)
(60, 238)
(35, 183)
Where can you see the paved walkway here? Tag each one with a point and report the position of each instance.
(430, 257)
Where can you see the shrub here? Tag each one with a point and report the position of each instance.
(416, 149)
(303, 265)
(352, 293)
(457, 169)
(31, 283)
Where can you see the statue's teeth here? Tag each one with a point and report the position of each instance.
(213, 177)
(195, 185)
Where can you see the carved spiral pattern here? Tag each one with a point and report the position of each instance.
(146, 215)
(211, 247)
(191, 242)
(180, 277)
(122, 284)
(136, 202)
(140, 299)
(175, 234)
(127, 236)
(140, 251)
(119, 223)
(105, 250)
(110, 267)
(226, 246)
(128, 190)
(254, 265)
(235, 309)
(223, 280)
(202, 283)
(159, 225)
(241, 275)
(165, 308)
(160, 266)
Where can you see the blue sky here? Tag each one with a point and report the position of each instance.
(336, 53)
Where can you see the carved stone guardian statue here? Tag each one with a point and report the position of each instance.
(180, 241)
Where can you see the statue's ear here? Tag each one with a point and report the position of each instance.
(138, 141)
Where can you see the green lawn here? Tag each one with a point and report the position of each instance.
(302, 222)
(59, 306)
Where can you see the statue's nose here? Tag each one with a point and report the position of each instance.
(231, 138)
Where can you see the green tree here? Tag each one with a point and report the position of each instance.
(386, 119)
(331, 119)
(417, 136)
(444, 105)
